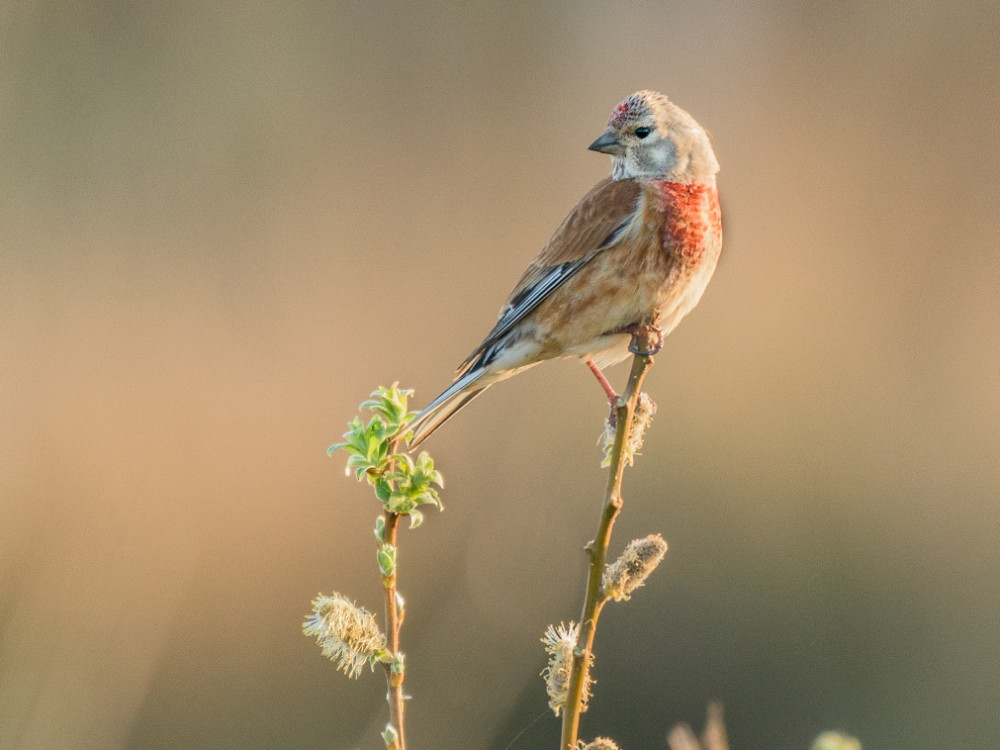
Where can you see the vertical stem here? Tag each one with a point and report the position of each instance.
(598, 548)
(394, 622)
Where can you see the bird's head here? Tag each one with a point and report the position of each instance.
(650, 136)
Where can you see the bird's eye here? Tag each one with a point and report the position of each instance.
(641, 132)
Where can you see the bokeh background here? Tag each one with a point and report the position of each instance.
(223, 224)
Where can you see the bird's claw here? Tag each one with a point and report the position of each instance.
(646, 331)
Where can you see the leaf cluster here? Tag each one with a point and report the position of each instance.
(401, 483)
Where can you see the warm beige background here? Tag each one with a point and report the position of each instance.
(221, 225)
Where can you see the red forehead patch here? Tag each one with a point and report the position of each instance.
(621, 113)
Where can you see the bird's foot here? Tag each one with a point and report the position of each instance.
(649, 335)
(608, 390)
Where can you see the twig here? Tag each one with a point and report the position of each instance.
(401, 484)
(598, 548)
(393, 673)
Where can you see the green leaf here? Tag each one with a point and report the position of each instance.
(386, 557)
(390, 736)
(383, 489)
(425, 465)
(390, 404)
(400, 503)
(371, 449)
(398, 664)
(359, 464)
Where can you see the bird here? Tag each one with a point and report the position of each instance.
(633, 257)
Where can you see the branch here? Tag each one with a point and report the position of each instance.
(394, 620)
(598, 548)
(345, 632)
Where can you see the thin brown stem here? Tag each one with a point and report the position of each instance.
(598, 548)
(394, 622)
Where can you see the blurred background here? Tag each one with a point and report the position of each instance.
(223, 224)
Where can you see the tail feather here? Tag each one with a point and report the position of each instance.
(457, 395)
(474, 377)
(430, 419)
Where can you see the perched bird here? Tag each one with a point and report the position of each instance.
(634, 255)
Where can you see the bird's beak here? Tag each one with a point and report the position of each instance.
(608, 144)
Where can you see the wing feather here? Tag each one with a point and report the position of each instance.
(598, 222)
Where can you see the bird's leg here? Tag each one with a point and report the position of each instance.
(608, 390)
(648, 331)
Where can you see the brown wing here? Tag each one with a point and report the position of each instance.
(608, 206)
(597, 222)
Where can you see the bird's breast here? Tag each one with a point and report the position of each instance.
(690, 220)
